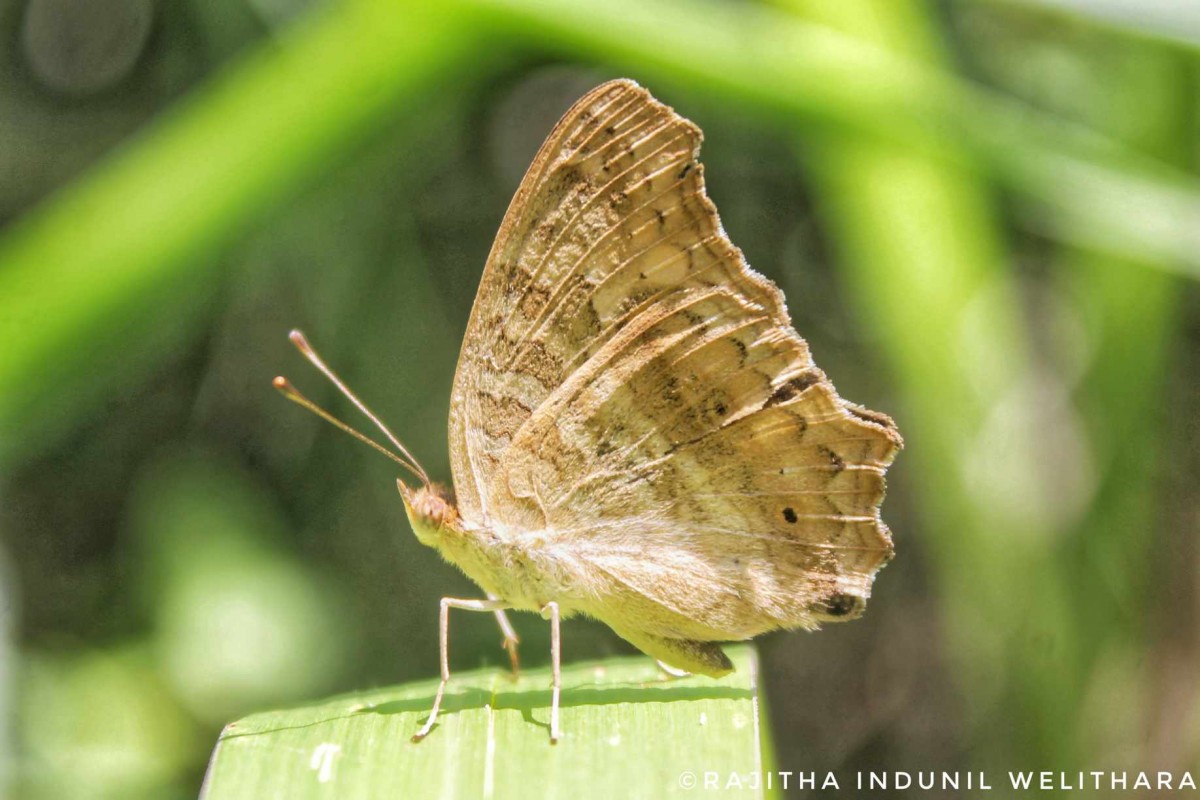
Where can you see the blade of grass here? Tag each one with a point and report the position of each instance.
(1174, 22)
(922, 251)
(1083, 187)
(627, 733)
(1132, 318)
(109, 275)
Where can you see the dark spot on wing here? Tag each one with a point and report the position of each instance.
(837, 461)
(844, 605)
(793, 387)
(867, 415)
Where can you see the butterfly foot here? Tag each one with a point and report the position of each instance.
(425, 729)
(428, 726)
(510, 644)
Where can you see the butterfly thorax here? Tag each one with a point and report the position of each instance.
(504, 568)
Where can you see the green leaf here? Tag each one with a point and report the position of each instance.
(627, 732)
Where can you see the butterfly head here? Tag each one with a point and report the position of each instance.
(431, 511)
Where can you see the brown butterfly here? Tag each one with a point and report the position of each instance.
(637, 433)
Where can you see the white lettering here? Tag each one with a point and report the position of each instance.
(322, 760)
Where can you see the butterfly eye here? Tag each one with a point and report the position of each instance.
(431, 505)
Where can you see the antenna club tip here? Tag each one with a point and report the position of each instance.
(288, 391)
(284, 386)
(297, 338)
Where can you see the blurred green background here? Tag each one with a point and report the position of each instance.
(985, 216)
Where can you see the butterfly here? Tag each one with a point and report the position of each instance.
(637, 432)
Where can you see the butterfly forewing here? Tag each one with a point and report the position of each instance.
(628, 385)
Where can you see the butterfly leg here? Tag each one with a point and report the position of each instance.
(444, 640)
(550, 612)
(511, 640)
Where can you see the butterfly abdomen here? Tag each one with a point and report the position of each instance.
(701, 658)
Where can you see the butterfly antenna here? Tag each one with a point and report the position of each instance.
(290, 392)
